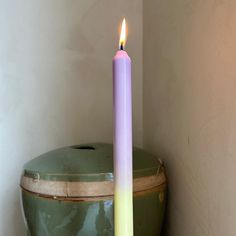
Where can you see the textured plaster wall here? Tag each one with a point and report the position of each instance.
(55, 82)
(190, 110)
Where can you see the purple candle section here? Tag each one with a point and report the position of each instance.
(122, 139)
(122, 96)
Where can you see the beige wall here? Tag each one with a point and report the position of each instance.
(190, 110)
(55, 82)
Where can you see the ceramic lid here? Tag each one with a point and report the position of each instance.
(87, 162)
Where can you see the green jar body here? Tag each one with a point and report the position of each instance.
(61, 217)
(69, 192)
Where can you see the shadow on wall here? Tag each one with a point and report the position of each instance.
(14, 217)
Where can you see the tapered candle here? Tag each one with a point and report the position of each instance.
(122, 139)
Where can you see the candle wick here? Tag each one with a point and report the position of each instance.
(121, 46)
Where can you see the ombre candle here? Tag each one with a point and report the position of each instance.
(122, 139)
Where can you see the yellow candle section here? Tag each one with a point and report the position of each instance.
(123, 212)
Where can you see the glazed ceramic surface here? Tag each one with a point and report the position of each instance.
(47, 215)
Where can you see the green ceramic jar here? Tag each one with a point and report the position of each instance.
(69, 192)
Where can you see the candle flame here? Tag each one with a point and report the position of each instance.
(122, 35)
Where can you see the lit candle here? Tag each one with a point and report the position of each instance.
(122, 113)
